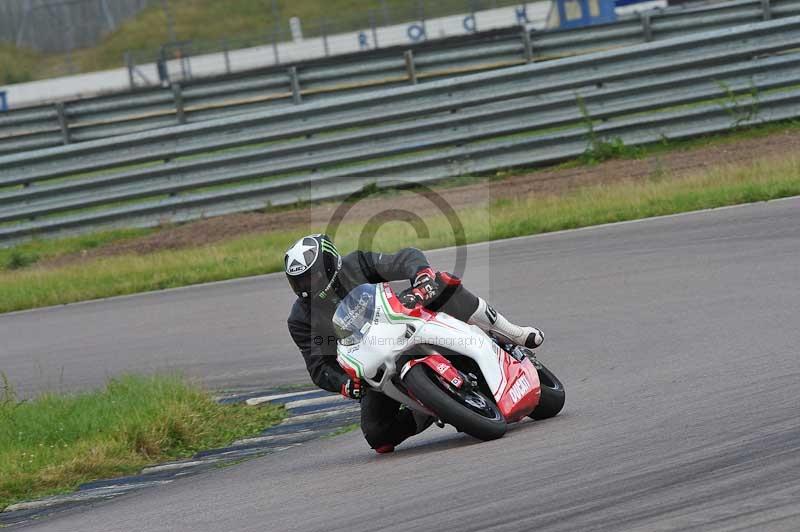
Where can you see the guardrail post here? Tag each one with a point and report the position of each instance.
(275, 48)
(186, 66)
(129, 64)
(324, 26)
(647, 26)
(374, 28)
(411, 68)
(177, 95)
(527, 44)
(227, 56)
(62, 122)
(766, 10)
(421, 16)
(297, 96)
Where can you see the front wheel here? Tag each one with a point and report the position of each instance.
(553, 395)
(469, 411)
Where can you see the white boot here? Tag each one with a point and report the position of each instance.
(488, 319)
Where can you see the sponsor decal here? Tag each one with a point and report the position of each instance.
(301, 256)
(356, 316)
(520, 389)
(324, 293)
(456, 381)
(328, 246)
(442, 368)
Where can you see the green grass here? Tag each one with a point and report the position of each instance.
(30, 253)
(616, 149)
(54, 443)
(262, 253)
(17, 66)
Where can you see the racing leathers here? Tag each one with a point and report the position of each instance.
(383, 422)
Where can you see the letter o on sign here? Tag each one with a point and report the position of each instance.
(416, 32)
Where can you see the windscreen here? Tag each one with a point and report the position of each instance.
(354, 314)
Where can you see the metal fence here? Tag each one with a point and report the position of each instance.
(326, 35)
(278, 88)
(63, 25)
(525, 115)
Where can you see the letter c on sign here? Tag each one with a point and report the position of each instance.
(415, 32)
(469, 24)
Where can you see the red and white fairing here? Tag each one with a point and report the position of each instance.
(514, 384)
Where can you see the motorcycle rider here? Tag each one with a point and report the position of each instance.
(321, 277)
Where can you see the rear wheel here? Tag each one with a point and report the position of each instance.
(553, 395)
(468, 410)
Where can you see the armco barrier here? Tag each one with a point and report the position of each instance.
(523, 115)
(315, 81)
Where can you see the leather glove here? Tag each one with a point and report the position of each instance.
(425, 286)
(409, 298)
(351, 389)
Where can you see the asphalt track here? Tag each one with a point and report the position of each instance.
(677, 339)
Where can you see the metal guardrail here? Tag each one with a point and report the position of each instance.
(532, 114)
(315, 81)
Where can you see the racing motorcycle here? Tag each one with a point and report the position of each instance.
(441, 366)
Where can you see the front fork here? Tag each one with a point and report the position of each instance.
(470, 381)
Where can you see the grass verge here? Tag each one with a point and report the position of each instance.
(263, 253)
(54, 443)
(29, 253)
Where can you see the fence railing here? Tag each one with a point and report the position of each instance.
(525, 115)
(314, 81)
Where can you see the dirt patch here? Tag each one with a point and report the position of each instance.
(539, 183)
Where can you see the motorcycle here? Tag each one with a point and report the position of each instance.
(440, 366)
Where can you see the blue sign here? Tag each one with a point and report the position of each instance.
(579, 13)
(3, 101)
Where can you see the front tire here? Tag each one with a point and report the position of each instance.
(470, 412)
(553, 395)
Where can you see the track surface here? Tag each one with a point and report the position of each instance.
(676, 338)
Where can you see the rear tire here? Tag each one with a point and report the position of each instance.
(429, 389)
(553, 395)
